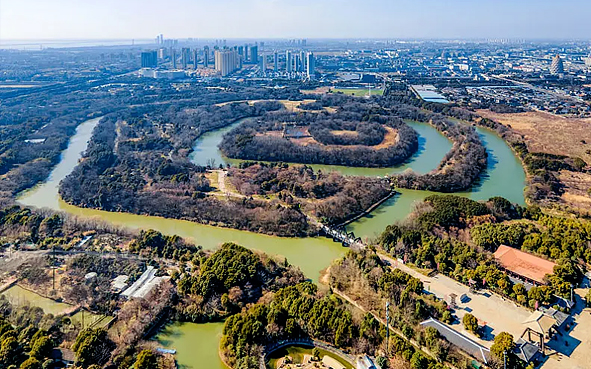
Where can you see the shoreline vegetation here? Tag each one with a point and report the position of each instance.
(250, 289)
(138, 162)
(461, 167)
(356, 134)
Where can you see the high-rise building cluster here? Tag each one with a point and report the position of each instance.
(300, 63)
(310, 66)
(226, 61)
(254, 54)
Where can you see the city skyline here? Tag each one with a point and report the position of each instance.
(455, 19)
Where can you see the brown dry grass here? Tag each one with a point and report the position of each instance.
(288, 104)
(575, 194)
(390, 139)
(545, 132)
(213, 179)
(317, 90)
(342, 133)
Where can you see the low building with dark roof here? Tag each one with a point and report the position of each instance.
(527, 351)
(64, 356)
(546, 321)
(456, 338)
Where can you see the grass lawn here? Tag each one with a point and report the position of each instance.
(358, 91)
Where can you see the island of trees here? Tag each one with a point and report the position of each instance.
(356, 134)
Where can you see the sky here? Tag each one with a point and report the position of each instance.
(396, 19)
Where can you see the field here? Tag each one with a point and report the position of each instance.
(288, 104)
(391, 138)
(544, 132)
(358, 91)
(318, 90)
(576, 193)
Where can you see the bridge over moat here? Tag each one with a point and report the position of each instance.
(340, 234)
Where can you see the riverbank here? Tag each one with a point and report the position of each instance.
(20, 295)
(505, 177)
(367, 211)
(197, 345)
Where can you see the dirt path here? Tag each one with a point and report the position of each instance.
(222, 180)
(382, 321)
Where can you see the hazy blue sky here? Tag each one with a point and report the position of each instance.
(107, 19)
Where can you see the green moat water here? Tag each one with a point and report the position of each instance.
(197, 344)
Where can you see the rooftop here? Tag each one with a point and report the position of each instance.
(540, 322)
(526, 351)
(119, 282)
(146, 282)
(456, 338)
(523, 264)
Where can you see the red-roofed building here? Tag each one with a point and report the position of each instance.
(524, 265)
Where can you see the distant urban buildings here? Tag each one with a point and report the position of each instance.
(254, 54)
(251, 59)
(263, 62)
(149, 59)
(195, 58)
(162, 74)
(185, 57)
(206, 56)
(288, 62)
(226, 61)
(310, 65)
(557, 66)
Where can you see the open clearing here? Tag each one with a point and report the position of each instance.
(358, 91)
(549, 133)
(288, 104)
(545, 132)
(576, 193)
(390, 139)
(317, 90)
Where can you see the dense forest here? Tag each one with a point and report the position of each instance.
(357, 134)
(456, 236)
(462, 165)
(139, 164)
(223, 283)
(365, 278)
(28, 336)
(35, 128)
(302, 312)
(331, 197)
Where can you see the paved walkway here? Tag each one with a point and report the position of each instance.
(498, 314)
(574, 354)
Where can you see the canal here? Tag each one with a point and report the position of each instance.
(197, 344)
